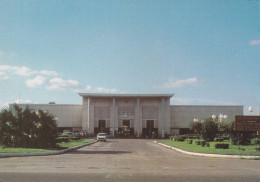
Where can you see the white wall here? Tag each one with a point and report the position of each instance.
(183, 115)
(68, 115)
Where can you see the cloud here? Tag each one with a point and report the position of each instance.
(178, 83)
(105, 90)
(3, 76)
(89, 88)
(254, 42)
(44, 77)
(60, 84)
(49, 73)
(37, 81)
(24, 71)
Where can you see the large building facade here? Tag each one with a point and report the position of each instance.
(140, 114)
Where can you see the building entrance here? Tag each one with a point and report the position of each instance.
(102, 128)
(126, 130)
(150, 131)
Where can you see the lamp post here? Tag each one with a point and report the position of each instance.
(196, 119)
(220, 117)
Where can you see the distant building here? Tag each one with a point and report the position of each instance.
(142, 114)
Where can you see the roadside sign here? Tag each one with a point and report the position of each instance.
(247, 123)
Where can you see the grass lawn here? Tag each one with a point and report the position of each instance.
(233, 149)
(74, 143)
(60, 145)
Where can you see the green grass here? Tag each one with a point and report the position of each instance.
(60, 145)
(74, 143)
(233, 149)
(21, 150)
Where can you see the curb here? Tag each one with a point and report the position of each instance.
(210, 155)
(26, 154)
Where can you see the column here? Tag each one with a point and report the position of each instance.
(138, 117)
(114, 114)
(88, 115)
(162, 116)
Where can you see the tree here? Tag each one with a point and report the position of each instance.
(24, 128)
(196, 127)
(209, 129)
(47, 130)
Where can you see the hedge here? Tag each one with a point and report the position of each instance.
(221, 146)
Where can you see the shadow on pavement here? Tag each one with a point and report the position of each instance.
(98, 152)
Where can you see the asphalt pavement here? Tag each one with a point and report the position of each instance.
(127, 160)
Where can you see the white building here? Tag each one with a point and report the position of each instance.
(143, 114)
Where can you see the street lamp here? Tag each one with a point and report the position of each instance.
(220, 117)
(250, 109)
(196, 119)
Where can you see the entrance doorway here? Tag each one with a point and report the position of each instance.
(126, 130)
(150, 131)
(101, 127)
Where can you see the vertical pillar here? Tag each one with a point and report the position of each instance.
(139, 127)
(162, 116)
(114, 114)
(88, 115)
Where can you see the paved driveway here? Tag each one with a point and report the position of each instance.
(127, 160)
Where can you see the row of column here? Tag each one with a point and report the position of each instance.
(139, 123)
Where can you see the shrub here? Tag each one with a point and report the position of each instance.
(189, 141)
(209, 129)
(75, 138)
(179, 138)
(221, 146)
(196, 127)
(201, 142)
(255, 141)
(219, 139)
(62, 139)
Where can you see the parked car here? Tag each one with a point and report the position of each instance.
(102, 137)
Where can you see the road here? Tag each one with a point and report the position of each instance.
(127, 160)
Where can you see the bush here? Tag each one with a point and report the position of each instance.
(75, 138)
(221, 146)
(201, 142)
(189, 141)
(219, 139)
(255, 141)
(209, 129)
(62, 139)
(179, 138)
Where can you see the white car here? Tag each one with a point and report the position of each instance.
(102, 137)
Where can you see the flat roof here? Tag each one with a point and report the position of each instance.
(123, 95)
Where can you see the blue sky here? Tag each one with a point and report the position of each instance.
(205, 52)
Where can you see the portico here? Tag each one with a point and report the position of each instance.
(138, 114)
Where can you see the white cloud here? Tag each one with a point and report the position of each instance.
(44, 78)
(105, 90)
(254, 42)
(178, 83)
(24, 71)
(60, 84)
(3, 76)
(48, 73)
(37, 81)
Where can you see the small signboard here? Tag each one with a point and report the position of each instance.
(247, 123)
